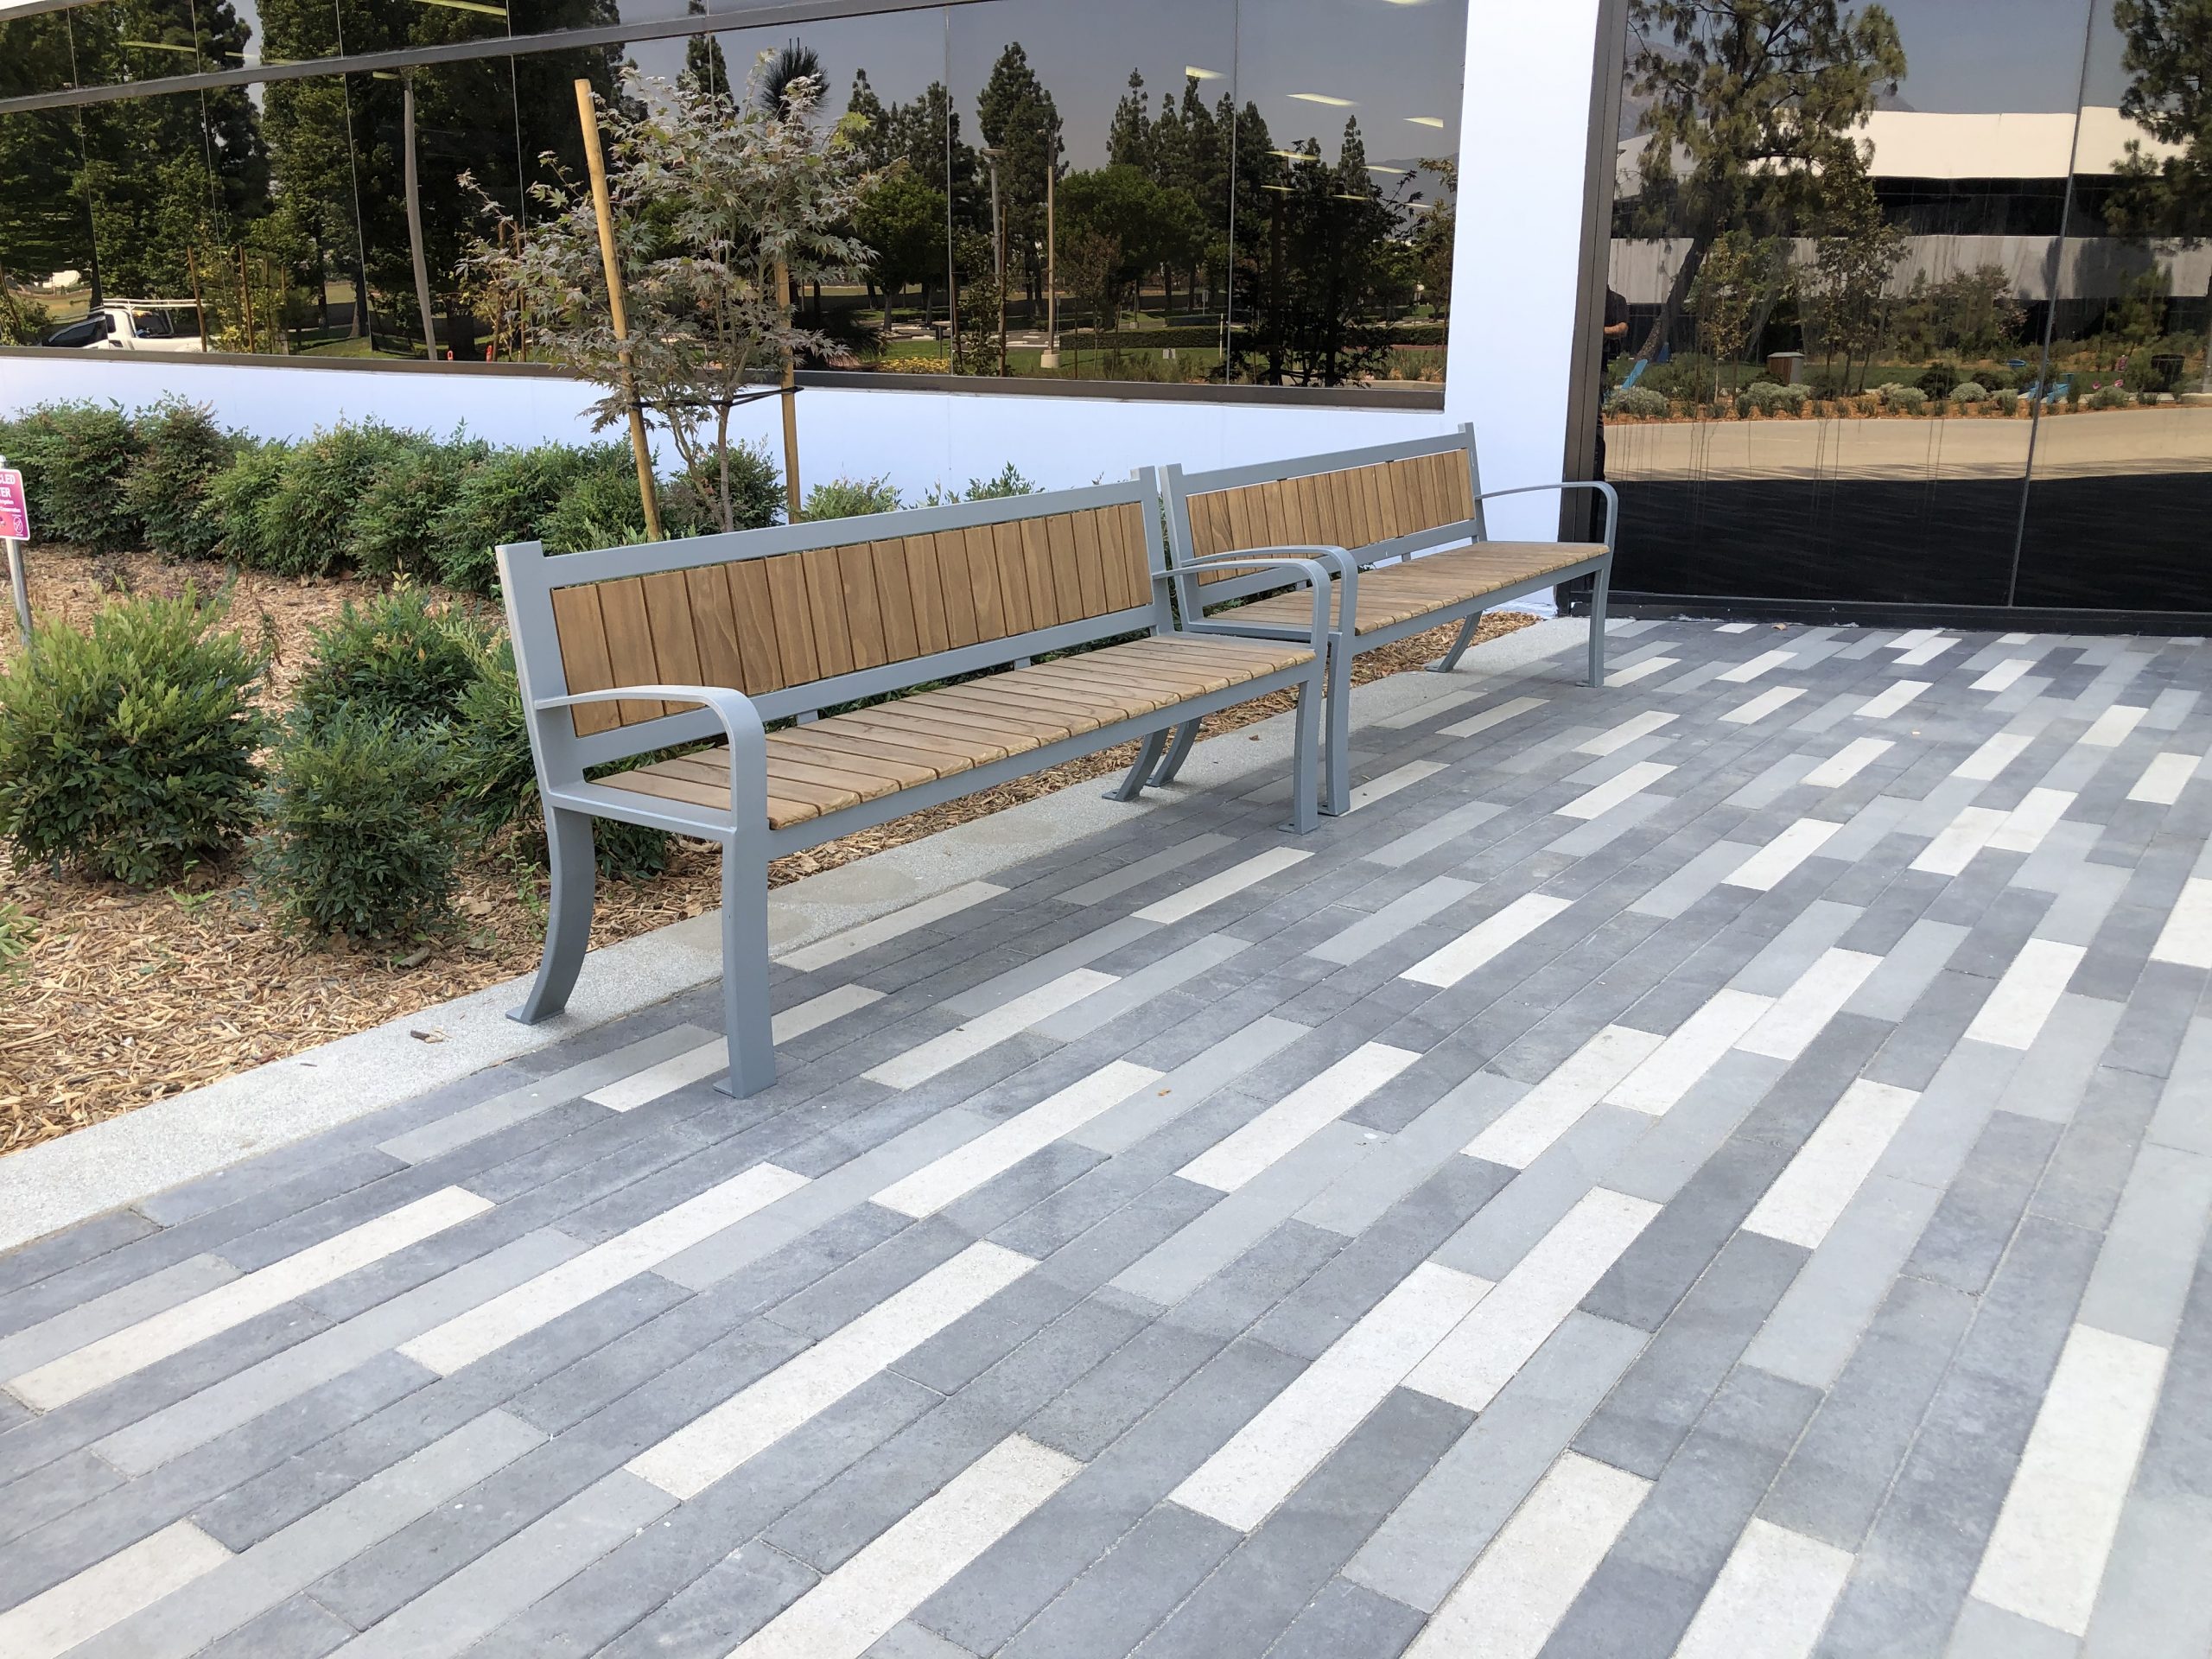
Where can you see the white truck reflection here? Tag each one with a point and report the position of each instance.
(134, 326)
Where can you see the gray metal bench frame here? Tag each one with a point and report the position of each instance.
(1344, 642)
(528, 577)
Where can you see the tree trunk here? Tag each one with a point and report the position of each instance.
(1678, 293)
(721, 455)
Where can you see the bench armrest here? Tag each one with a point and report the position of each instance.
(741, 722)
(1316, 570)
(1612, 499)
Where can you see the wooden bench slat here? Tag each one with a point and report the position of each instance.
(674, 633)
(630, 653)
(791, 748)
(825, 739)
(1013, 576)
(829, 629)
(932, 731)
(714, 627)
(583, 656)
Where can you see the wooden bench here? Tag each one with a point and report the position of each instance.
(1401, 524)
(709, 642)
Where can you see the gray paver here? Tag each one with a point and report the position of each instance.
(1874, 1393)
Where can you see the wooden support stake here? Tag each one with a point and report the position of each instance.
(199, 306)
(790, 401)
(415, 219)
(648, 496)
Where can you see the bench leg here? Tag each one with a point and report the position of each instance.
(1597, 590)
(1450, 660)
(745, 970)
(568, 923)
(1303, 770)
(1337, 753)
(1185, 735)
(1140, 773)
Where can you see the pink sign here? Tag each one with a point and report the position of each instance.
(15, 512)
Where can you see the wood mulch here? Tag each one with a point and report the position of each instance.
(124, 997)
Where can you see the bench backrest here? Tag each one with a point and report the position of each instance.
(802, 617)
(1381, 502)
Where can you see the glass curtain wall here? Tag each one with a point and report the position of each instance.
(1205, 192)
(1874, 270)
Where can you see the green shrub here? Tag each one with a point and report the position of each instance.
(128, 751)
(181, 450)
(1771, 398)
(1908, 399)
(496, 784)
(2113, 397)
(506, 497)
(394, 657)
(1639, 403)
(74, 458)
(18, 932)
(357, 840)
(1968, 393)
(323, 480)
(1937, 379)
(393, 527)
(2007, 401)
(756, 490)
(1008, 482)
(601, 508)
(851, 497)
(238, 498)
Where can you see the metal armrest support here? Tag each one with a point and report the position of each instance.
(1612, 499)
(1314, 571)
(741, 722)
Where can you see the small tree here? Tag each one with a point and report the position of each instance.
(903, 220)
(1747, 103)
(1845, 290)
(709, 193)
(2169, 54)
(1731, 284)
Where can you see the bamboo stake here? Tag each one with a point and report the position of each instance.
(790, 401)
(415, 221)
(245, 299)
(198, 307)
(648, 496)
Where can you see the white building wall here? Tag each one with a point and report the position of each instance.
(1524, 123)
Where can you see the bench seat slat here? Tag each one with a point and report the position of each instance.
(844, 760)
(1390, 593)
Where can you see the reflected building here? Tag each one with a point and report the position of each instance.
(1963, 367)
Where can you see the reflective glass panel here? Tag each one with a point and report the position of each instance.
(1347, 152)
(46, 242)
(1822, 332)
(1093, 166)
(2121, 494)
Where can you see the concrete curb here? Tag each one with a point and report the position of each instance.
(123, 1159)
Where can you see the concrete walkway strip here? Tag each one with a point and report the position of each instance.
(929, 1189)
(485, 1330)
(1515, 1595)
(1225, 884)
(986, 1030)
(78, 1609)
(1486, 940)
(754, 1418)
(1241, 1485)
(1297, 1117)
(845, 1615)
(226, 1307)
(827, 953)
